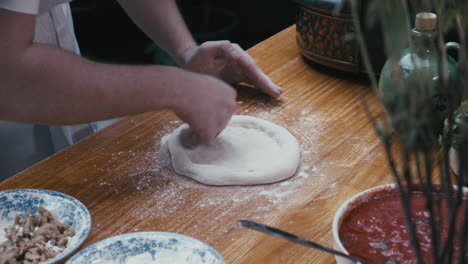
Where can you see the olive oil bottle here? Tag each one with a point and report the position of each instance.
(418, 86)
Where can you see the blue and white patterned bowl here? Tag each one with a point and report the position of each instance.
(63, 207)
(146, 248)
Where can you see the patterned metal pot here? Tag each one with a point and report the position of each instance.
(329, 39)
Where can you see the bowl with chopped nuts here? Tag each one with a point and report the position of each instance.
(40, 226)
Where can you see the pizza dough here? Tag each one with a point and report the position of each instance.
(248, 151)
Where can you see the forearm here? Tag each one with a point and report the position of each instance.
(45, 85)
(68, 89)
(163, 23)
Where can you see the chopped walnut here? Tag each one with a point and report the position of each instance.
(34, 239)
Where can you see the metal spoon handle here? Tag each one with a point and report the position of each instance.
(293, 238)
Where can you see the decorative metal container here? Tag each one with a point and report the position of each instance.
(328, 38)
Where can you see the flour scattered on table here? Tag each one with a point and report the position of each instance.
(172, 196)
(162, 193)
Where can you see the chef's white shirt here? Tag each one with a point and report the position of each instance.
(22, 145)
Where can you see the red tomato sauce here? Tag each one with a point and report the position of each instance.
(376, 230)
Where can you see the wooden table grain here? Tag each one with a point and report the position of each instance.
(122, 177)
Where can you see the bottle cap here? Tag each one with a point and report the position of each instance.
(426, 21)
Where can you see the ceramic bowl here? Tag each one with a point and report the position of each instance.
(347, 207)
(63, 207)
(148, 247)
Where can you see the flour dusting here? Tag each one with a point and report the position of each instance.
(177, 200)
(157, 171)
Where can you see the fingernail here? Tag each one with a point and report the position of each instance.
(278, 91)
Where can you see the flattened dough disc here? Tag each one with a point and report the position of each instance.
(248, 151)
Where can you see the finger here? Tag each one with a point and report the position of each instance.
(212, 129)
(189, 138)
(228, 111)
(224, 121)
(222, 124)
(255, 74)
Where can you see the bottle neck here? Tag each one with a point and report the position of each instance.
(424, 43)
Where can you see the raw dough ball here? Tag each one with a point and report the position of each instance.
(249, 151)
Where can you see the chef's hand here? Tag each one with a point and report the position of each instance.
(206, 103)
(230, 63)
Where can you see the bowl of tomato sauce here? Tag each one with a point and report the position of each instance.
(371, 225)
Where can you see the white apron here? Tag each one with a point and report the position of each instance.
(22, 145)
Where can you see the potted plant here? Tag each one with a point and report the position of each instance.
(414, 157)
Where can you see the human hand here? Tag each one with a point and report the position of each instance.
(229, 62)
(206, 104)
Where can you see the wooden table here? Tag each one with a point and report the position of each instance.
(124, 181)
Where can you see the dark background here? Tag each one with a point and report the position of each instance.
(106, 33)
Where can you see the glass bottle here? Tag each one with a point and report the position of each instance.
(416, 87)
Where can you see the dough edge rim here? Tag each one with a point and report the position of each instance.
(198, 171)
